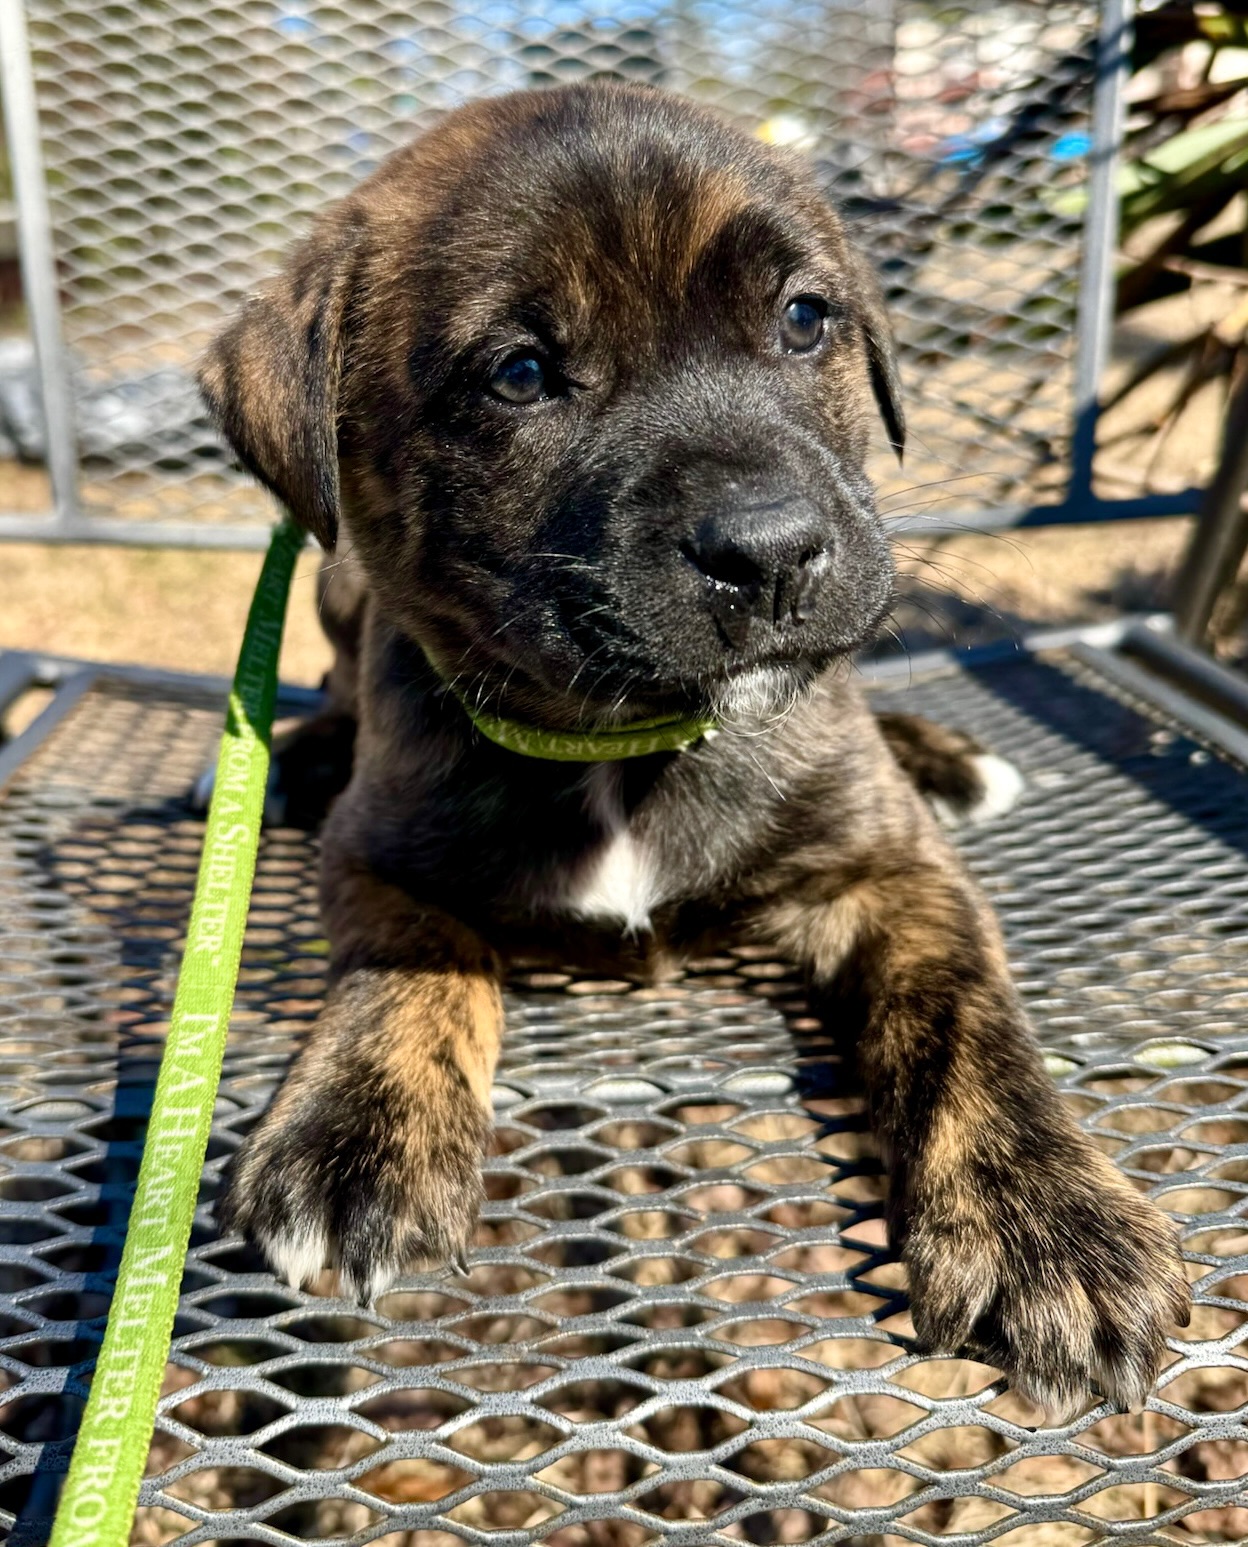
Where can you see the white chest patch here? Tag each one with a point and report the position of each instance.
(619, 881)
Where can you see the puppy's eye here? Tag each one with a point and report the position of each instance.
(519, 378)
(802, 323)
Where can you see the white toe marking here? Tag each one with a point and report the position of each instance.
(297, 1259)
(379, 1281)
(1003, 784)
(202, 793)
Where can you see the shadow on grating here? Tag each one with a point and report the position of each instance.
(681, 1323)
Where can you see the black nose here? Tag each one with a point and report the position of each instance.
(761, 561)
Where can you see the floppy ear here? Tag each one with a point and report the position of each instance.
(877, 333)
(271, 379)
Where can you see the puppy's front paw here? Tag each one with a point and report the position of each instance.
(960, 780)
(992, 788)
(361, 1178)
(1059, 1274)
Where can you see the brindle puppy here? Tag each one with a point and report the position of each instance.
(578, 386)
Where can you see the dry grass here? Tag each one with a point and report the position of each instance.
(183, 610)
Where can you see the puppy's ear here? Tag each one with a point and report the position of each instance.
(877, 332)
(271, 378)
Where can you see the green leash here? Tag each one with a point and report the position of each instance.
(98, 1501)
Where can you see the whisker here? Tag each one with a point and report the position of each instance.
(937, 483)
(960, 529)
(765, 774)
(929, 561)
(328, 569)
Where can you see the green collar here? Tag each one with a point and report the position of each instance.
(639, 739)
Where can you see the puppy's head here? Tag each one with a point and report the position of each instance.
(583, 379)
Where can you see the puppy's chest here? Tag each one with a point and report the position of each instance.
(619, 879)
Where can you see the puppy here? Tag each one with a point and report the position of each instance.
(577, 388)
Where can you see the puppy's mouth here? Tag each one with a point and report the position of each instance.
(759, 681)
(606, 683)
(605, 643)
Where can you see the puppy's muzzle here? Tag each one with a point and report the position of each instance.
(762, 564)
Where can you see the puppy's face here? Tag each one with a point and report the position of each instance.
(583, 379)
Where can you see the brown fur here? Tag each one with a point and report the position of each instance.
(936, 758)
(393, 1091)
(544, 561)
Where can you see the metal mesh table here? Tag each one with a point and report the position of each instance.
(681, 1323)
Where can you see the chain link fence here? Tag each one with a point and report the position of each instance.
(184, 145)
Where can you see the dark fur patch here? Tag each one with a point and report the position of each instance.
(938, 761)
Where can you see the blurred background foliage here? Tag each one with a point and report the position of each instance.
(1184, 204)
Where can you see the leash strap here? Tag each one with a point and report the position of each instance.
(98, 1501)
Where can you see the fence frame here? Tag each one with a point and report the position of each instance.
(68, 523)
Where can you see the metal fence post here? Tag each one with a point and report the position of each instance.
(38, 261)
(1100, 236)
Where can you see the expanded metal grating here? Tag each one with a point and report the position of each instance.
(186, 144)
(681, 1324)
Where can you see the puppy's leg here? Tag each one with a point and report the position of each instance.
(1023, 1243)
(312, 759)
(369, 1158)
(311, 767)
(960, 779)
